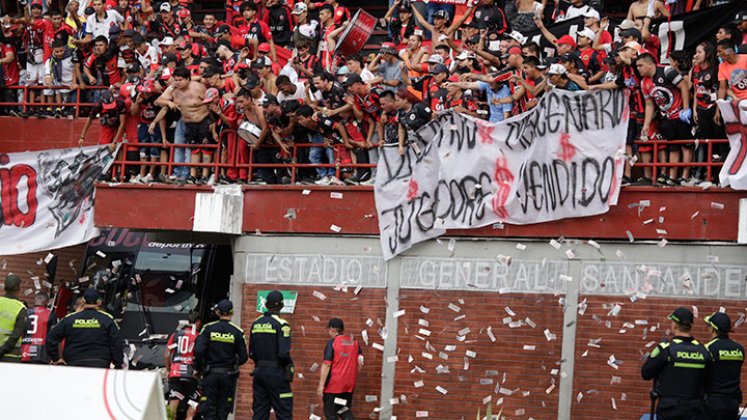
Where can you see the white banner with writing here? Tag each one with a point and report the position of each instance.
(564, 158)
(47, 197)
(734, 172)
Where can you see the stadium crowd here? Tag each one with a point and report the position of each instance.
(268, 76)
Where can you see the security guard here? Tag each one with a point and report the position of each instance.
(219, 351)
(678, 369)
(269, 348)
(91, 337)
(723, 394)
(12, 320)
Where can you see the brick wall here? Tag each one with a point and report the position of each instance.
(32, 265)
(503, 369)
(309, 336)
(593, 376)
(518, 376)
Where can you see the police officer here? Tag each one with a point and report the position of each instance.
(12, 320)
(91, 337)
(269, 348)
(678, 369)
(219, 351)
(723, 394)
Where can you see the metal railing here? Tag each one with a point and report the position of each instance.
(657, 145)
(76, 105)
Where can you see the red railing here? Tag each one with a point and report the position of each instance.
(76, 105)
(121, 162)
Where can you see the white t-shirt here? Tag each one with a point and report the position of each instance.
(66, 71)
(300, 94)
(573, 12)
(97, 27)
(148, 59)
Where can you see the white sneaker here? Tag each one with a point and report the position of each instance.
(148, 179)
(135, 179)
(334, 181)
(211, 180)
(322, 181)
(369, 181)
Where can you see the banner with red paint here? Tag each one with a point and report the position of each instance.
(47, 197)
(734, 172)
(562, 159)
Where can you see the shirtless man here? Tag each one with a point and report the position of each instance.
(187, 96)
(640, 9)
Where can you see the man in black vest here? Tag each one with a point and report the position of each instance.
(91, 337)
(678, 369)
(269, 348)
(219, 351)
(723, 393)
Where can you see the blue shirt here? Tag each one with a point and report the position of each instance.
(496, 109)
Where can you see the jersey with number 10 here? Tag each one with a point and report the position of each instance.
(182, 345)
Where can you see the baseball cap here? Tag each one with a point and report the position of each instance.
(435, 59)
(168, 58)
(166, 41)
(741, 17)
(465, 55)
(223, 29)
(114, 31)
(571, 56)
(129, 33)
(517, 36)
(36, 6)
(591, 13)
(388, 48)
(12, 282)
(336, 323)
(682, 316)
(165, 7)
(586, 32)
(133, 67)
(183, 13)
(634, 45)
(261, 62)
(635, 33)
(224, 306)
(556, 69)
(210, 95)
(290, 106)
(568, 40)
(251, 82)
(299, 8)
(439, 68)
(352, 78)
(264, 47)
(166, 74)
(107, 100)
(91, 296)
(147, 86)
(719, 321)
(274, 300)
(270, 100)
(441, 14)
(626, 24)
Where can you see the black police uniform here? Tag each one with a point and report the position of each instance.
(723, 394)
(91, 337)
(219, 351)
(269, 348)
(678, 369)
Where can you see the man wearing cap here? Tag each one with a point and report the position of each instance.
(439, 30)
(401, 26)
(219, 351)
(342, 357)
(110, 112)
(91, 337)
(387, 65)
(269, 348)
(165, 25)
(678, 368)
(723, 393)
(13, 320)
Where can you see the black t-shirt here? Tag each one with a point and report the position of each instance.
(418, 116)
(109, 117)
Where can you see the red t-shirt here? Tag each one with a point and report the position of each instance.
(12, 70)
(342, 353)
